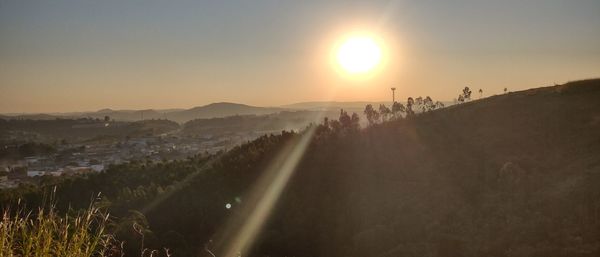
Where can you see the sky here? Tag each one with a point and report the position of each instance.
(83, 55)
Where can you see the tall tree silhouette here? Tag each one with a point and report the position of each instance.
(410, 102)
(372, 114)
(465, 95)
(428, 104)
(349, 122)
(397, 110)
(385, 112)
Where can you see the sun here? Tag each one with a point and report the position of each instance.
(358, 55)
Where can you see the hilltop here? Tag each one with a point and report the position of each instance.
(219, 110)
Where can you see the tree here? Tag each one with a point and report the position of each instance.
(428, 104)
(480, 93)
(409, 107)
(347, 122)
(467, 93)
(397, 110)
(106, 118)
(439, 105)
(345, 119)
(505, 90)
(372, 114)
(355, 124)
(385, 112)
(419, 104)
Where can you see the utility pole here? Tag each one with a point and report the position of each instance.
(393, 95)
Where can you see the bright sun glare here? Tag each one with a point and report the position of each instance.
(359, 55)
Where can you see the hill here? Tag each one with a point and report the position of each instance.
(217, 110)
(214, 110)
(285, 120)
(510, 175)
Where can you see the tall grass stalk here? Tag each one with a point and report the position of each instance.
(46, 233)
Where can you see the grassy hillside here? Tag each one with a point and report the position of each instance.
(509, 175)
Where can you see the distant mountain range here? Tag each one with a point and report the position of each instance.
(214, 110)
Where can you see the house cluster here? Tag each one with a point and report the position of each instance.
(33, 167)
(85, 158)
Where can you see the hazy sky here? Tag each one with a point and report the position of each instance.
(58, 55)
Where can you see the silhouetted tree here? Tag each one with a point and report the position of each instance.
(480, 93)
(428, 104)
(410, 102)
(345, 119)
(419, 104)
(385, 112)
(397, 110)
(467, 93)
(439, 105)
(106, 118)
(355, 125)
(372, 114)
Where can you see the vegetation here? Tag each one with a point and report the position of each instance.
(19, 151)
(47, 233)
(399, 111)
(465, 96)
(509, 175)
(51, 131)
(285, 120)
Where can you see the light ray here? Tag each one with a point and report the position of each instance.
(241, 230)
(180, 185)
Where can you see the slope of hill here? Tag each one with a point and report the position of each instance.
(357, 107)
(509, 175)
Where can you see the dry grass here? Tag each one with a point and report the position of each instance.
(46, 233)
